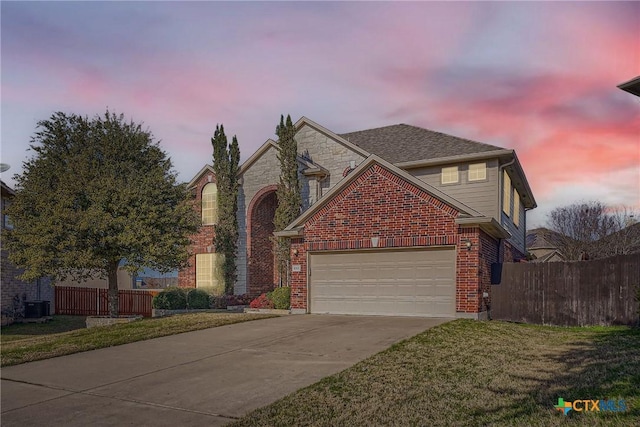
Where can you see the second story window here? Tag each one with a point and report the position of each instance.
(450, 175)
(209, 204)
(516, 207)
(477, 171)
(506, 193)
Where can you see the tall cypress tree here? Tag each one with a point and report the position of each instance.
(226, 160)
(288, 192)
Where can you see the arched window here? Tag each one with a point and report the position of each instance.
(209, 204)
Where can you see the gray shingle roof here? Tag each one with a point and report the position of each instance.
(543, 238)
(405, 143)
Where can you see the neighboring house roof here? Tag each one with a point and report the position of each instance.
(405, 143)
(6, 190)
(545, 243)
(542, 238)
(553, 255)
(632, 86)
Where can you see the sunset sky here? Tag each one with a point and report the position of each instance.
(538, 77)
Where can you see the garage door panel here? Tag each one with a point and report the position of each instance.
(391, 282)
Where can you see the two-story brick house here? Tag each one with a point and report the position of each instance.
(397, 220)
(14, 291)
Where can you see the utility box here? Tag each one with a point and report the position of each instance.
(36, 309)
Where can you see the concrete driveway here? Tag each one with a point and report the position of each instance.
(208, 377)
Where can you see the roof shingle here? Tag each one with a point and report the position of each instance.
(404, 143)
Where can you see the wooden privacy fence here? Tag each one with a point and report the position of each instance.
(575, 293)
(95, 302)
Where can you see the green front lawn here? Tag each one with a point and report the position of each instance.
(59, 324)
(468, 373)
(66, 334)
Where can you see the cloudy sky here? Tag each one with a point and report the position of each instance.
(537, 77)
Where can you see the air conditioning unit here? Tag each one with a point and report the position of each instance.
(36, 309)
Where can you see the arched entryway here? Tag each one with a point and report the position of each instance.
(261, 274)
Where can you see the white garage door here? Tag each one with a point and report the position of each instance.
(384, 282)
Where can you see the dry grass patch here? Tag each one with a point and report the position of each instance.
(467, 373)
(38, 347)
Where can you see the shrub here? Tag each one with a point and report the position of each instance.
(223, 301)
(171, 299)
(262, 302)
(243, 299)
(197, 299)
(281, 297)
(218, 301)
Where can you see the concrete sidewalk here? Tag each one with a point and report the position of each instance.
(207, 377)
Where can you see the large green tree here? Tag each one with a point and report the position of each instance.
(226, 161)
(288, 192)
(98, 194)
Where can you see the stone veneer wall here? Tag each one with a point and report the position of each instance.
(265, 171)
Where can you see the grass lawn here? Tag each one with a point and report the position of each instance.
(468, 373)
(59, 324)
(66, 334)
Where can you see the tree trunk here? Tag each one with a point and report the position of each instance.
(114, 303)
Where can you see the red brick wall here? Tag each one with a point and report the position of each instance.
(467, 281)
(201, 242)
(512, 254)
(12, 287)
(299, 279)
(488, 255)
(262, 275)
(381, 204)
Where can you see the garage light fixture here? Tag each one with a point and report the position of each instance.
(467, 244)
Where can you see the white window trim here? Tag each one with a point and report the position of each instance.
(448, 172)
(480, 173)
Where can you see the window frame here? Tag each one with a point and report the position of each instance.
(445, 171)
(516, 208)
(210, 262)
(212, 198)
(506, 193)
(483, 170)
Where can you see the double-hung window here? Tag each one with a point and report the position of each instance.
(450, 175)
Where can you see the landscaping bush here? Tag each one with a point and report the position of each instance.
(171, 299)
(262, 302)
(281, 297)
(197, 299)
(223, 301)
